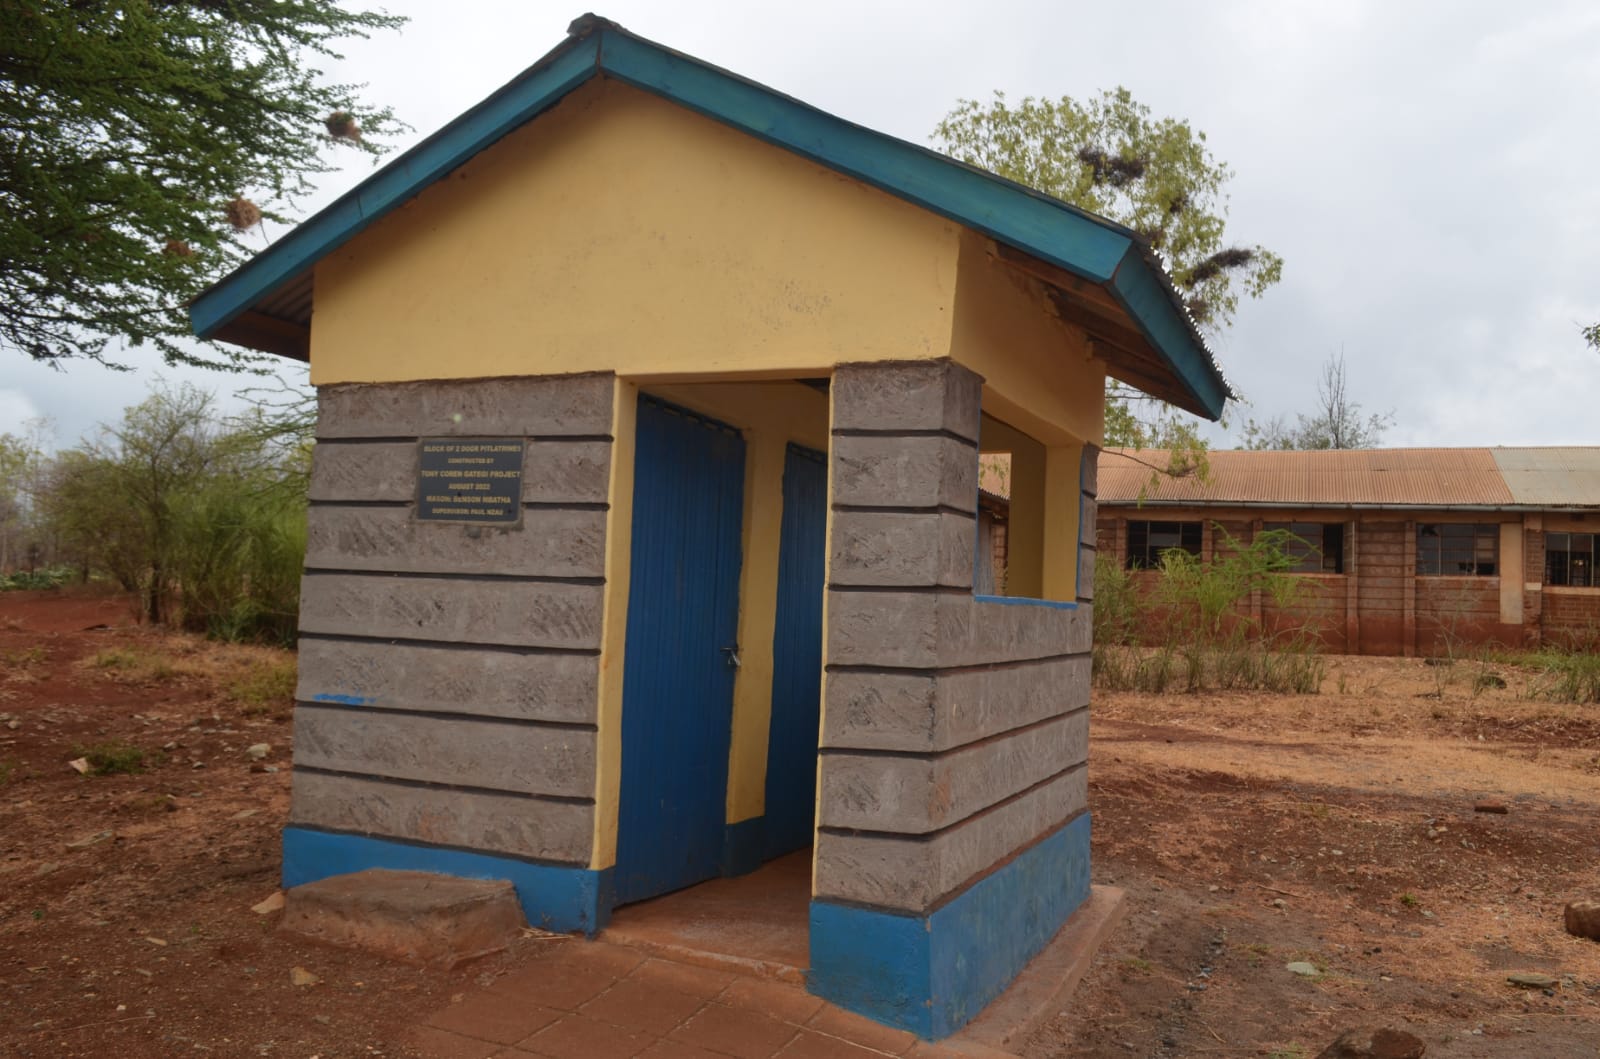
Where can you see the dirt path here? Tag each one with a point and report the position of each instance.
(1250, 831)
(1340, 830)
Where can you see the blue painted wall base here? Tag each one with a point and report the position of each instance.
(932, 974)
(553, 897)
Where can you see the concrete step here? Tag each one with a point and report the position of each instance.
(412, 916)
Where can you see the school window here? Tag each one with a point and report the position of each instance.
(1569, 558)
(1147, 540)
(1458, 548)
(1315, 547)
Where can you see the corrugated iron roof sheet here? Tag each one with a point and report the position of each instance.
(1383, 477)
(1551, 477)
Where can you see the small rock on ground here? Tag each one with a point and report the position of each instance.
(1532, 981)
(1305, 970)
(301, 976)
(1375, 1044)
(1582, 919)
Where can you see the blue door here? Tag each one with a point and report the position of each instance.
(797, 655)
(677, 685)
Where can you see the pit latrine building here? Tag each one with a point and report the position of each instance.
(1400, 550)
(644, 514)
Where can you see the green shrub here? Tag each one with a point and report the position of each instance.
(25, 580)
(1567, 676)
(265, 685)
(116, 755)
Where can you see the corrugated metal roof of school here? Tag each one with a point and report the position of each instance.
(1467, 477)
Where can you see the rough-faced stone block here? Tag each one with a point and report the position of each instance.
(364, 471)
(919, 794)
(907, 395)
(548, 542)
(913, 874)
(1086, 560)
(516, 613)
(551, 406)
(499, 823)
(973, 633)
(975, 704)
(880, 711)
(554, 471)
(1086, 521)
(496, 755)
(490, 683)
(907, 471)
(894, 629)
(900, 548)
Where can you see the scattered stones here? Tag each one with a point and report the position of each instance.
(301, 977)
(1491, 807)
(1533, 981)
(1375, 1044)
(1582, 919)
(1303, 969)
(257, 751)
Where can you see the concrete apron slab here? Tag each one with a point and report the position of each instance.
(416, 917)
(695, 927)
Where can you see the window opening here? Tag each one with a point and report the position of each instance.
(1569, 559)
(1316, 547)
(1458, 548)
(1147, 540)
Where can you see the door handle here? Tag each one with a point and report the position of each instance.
(732, 656)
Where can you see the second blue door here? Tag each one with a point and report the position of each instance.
(683, 613)
(797, 655)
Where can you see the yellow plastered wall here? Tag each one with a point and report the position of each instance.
(621, 232)
(770, 415)
(1043, 398)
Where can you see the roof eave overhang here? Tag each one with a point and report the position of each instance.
(1042, 227)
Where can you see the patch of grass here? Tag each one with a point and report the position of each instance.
(22, 580)
(27, 657)
(1293, 1051)
(135, 665)
(1410, 900)
(265, 686)
(114, 755)
(1136, 965)
(6, 770)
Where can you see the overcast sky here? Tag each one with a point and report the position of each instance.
(1430, 172)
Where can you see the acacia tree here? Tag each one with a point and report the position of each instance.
(1591, 335)
(1337, 421)
(131, 135)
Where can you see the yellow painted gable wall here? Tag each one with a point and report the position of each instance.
(622, 232)
(1043, 400)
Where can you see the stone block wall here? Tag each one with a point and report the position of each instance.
(955, 731)
(448, 672)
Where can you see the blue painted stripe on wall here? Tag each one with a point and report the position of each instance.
(1023, 601)
(552, 897)
(346, 700)
(933, 974)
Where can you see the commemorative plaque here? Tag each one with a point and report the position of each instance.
(469, 480)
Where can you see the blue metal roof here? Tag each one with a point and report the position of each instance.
(1046, 228)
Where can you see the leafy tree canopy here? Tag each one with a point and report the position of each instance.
(141, 141)
(1109, 155)
(1157, 176)
(1591, 335)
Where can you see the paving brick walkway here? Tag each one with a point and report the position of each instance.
(595, 1000)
